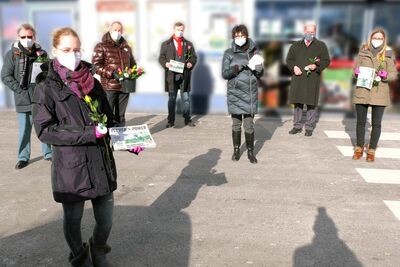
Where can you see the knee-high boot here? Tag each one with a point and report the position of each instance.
(250, 147)
(236, 136)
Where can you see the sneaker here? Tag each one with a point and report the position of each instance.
(295, 131)
(21, 164)
(308, 133)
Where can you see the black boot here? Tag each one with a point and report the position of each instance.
(250, 147)
(98, 254)
(236, 135)
(82, 259)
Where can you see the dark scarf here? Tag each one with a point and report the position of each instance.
(26, 57)
(80, 81)
(179, 40)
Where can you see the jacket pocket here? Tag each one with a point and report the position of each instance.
(72, 174)
(22, 99)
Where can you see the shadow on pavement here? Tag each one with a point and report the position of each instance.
(155, 235)
(326, 249)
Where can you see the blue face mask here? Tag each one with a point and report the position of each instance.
(309, 36)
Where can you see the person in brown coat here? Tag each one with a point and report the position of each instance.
(111, 53)
(377, 55)
(306, 59)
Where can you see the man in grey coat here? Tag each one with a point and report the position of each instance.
(21, 65)
(306, 60)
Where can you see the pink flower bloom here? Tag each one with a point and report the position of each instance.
(357, 71)
(38, 53)
(383, 74)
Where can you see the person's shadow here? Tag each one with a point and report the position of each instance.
(155, 235)
(350, 126)
(202, 86)
(326, 249)
(264, 129)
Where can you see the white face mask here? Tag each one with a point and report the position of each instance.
(28, 43)
(179, 34)
(69, 60)
(115, 35)
(240, 41)
(376, 43)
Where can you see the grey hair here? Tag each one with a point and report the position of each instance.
(27, 26)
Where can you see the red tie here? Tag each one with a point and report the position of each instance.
(308, 43)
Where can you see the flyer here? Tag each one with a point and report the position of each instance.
(124, 138)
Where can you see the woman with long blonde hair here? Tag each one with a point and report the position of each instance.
(377, 55)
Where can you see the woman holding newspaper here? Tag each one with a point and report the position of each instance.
(71, 113)
(374, 69)
(242, 66)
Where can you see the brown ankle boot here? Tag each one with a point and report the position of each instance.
(358, 152)
(371, 155)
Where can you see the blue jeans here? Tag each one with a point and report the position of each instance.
(24, 138)
(185, 99)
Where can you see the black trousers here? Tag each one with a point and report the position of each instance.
(118, 102)
(185, 100)
(103, 212)
(377, 114)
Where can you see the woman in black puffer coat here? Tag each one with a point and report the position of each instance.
(242, 88)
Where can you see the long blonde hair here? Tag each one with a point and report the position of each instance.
(382, 53)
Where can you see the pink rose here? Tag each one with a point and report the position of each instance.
(357, 71)
(38, 53)
(383, 74)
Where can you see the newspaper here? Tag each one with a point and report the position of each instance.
(124, 138)
(255, 60)
(366, 77)
(176, 66)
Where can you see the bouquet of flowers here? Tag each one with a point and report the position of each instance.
(380, 74)
(129, 73)
(312, 61)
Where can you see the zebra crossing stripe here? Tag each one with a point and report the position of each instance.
(380, 176)
(344, 135)
(394, 206)
(381, 152)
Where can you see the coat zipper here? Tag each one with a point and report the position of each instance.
(251, 98)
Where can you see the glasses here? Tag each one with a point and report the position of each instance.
(27, 36)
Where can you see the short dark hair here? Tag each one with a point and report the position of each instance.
(178, 24)
(240, 28)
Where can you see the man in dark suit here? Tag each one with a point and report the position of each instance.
(178, 49)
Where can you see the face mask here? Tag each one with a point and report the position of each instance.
(115, 35)
(179, 34)
(376, 43)
(69, 60)
(240, 41)
(308, 36)
(28, 43)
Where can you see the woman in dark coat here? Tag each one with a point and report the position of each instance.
(69, 109)
(242, 88)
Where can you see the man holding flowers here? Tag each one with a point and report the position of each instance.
(306, 60)
(21, 63)
(111, 56)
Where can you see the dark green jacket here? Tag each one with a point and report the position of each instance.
(242, 88)
(305, 89)
(16, 75)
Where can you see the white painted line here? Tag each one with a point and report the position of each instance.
(344, 135)
(381, 152)
(380, 176)
(394, 206)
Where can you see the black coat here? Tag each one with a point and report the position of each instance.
(168, 52)
(83, 167)
(305, 89)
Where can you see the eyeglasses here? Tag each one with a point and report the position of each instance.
(28, 36)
